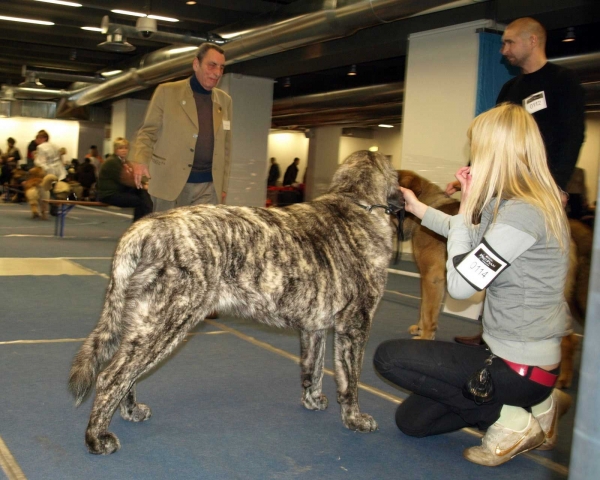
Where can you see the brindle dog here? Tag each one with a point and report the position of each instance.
(309, 266)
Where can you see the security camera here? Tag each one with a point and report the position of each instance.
(146, 26)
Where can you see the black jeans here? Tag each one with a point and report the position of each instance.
(136, 198)
(435, 372)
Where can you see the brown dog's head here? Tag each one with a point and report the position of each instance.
(409, 179)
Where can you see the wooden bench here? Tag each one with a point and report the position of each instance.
(64, 207)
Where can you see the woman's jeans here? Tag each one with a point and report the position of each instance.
(435, 372)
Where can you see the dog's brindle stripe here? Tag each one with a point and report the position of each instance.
(309, 266)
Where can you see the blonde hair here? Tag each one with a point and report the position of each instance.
(508, 161)
(120, 142)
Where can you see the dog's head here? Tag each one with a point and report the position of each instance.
(366, 176)
(412, 181)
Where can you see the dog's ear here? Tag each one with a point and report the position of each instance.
(411, 180)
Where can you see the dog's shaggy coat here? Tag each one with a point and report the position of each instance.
(310, 266)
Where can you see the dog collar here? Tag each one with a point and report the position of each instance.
(390, 208)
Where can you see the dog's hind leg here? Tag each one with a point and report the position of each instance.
(140, 350)
(349, 343)
(312, 346)
(133, 411)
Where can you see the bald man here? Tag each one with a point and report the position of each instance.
(552, 94)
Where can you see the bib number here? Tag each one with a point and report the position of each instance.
(480, 266)
(535, 103)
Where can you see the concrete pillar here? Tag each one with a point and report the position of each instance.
(585, 450)
(439, 100)
(127, 117)
(252, 104)
(323, 152)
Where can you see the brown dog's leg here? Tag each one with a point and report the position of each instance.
(567, 347)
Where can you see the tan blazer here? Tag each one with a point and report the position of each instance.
(167, 139)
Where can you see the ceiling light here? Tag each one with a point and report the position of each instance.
(385, 125)
(352, 71)
(92, 29)
(111, 73)
(570, 35)
(183, 49)
(373, 149)
(126, 12)
(190, 2)
(116, 42)
(287, 82)
(25, 20)
(60, 2)
(165, 19)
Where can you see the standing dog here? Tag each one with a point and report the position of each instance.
(309, 266)
(429, 250)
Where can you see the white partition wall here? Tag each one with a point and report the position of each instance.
(252, 105)
(439, 100)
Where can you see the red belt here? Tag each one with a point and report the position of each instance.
(535, 374)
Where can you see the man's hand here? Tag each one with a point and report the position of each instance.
(223, 196)
(140, 170)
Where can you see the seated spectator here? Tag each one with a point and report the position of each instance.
(116, 185)
(86, 176)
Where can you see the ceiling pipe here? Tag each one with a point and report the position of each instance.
(299, 31)
(10, 92)
(65, 77)
(355, 97)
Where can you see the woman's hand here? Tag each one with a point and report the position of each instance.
(464, 177)
(412, 204)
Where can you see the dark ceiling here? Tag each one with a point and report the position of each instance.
(378, 52)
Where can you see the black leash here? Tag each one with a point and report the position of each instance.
(398, 212)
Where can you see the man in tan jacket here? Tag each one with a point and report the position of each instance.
(184, 144)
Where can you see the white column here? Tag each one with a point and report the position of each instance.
(323, 152)
(252, 104)
(127, 117)
(439, 100)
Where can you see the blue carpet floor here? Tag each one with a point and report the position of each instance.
(225, 406)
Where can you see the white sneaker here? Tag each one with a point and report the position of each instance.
(561, 402)
(500, 443)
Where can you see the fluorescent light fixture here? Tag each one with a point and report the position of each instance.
(165, 19)
(126, 12)
(25, 20)
(60, 2)
(111, 73)
(385, 125)
(183, 49)
(92, 29)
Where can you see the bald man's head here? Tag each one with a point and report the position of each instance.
(524, 44)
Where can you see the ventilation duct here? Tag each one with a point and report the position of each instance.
(284, 35)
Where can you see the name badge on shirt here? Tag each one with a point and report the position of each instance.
(226, 124)
(480, 266)
(535, 103)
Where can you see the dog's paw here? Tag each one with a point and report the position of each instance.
(139, 413)
(103, 444)
(315, 403)
(363, 423)
(425, 336)
(414, 330)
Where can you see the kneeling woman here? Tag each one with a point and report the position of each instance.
(116, 185)
(510, 238)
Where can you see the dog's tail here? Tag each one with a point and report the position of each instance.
(104, 340)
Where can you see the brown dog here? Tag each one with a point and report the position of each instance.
(429, 250)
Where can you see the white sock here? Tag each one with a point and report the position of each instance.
(515, 418)
(542, 407)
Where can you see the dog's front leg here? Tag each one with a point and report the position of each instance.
(349, 351)
(312, 346)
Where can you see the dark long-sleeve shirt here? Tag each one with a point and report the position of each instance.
(555, 98)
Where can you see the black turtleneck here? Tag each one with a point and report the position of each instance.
(203, 153)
